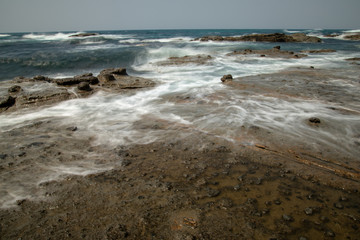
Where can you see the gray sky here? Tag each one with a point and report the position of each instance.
(81, 15)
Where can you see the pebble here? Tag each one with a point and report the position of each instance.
(213, 192)
(287, 218)
(309, 211)
(329, 233)
(237, 187)
(338, 205)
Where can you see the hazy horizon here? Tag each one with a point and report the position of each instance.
(92, 15)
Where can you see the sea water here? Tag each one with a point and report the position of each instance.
(111, 119)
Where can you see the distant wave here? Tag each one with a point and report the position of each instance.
(4, 35)
(352, 31)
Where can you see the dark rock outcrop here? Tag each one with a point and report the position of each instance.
(14, 89)
(84, 86)
(51, 91)
(273, 53)
(227, 78)
(88, 77)
(6, 101)
(319, 51)
(84, 35)
(355, 37)
(195, 59)
(271, 37)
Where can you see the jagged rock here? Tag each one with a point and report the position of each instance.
(227, 78)
(6, 101)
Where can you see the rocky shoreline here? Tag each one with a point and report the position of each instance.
(188, 184)
(40, 90)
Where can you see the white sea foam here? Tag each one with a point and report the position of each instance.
(4, 35)
(352, 31)
(48, 37)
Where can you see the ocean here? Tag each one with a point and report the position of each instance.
(190, 95)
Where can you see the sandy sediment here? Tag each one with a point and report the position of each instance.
(189, 183)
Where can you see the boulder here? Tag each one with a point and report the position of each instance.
(84, 86)
(6, 101)
(227, 78)
(14, 89)
(110, 74)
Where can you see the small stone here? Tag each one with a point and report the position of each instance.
(277, 202)
(324, 219)
(338, 206)
(237, 187)
(302, 238)
(309, 211)
(329, 233)
(213, 192)
(343, 199)
(287, 218)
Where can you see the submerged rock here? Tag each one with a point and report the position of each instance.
(195, 59)
(84, 35)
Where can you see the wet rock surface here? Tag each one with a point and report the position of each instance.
(193, 59)
(42, 90)
(150, 198)
(272, 53)
(188, 184)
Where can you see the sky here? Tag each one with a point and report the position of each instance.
(82, 15)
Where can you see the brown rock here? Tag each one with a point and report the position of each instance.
(227, 78)
(84, 86)
(355, 37)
